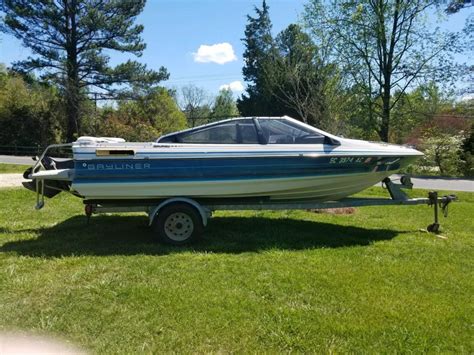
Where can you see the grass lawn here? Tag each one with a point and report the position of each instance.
(13, 168)
(259, 281)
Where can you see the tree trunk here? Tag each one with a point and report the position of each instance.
(72, 111)
(72, 85)
(386, 89)
(385, 124)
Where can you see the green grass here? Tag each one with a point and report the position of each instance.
(13, 168)
(258, 281)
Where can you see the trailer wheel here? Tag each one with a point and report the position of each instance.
(178, 224)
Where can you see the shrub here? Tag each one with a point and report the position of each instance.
(442, 140)
(145, 119)
(443, 152)
(30, 114)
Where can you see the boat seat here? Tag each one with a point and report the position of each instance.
(281, 139)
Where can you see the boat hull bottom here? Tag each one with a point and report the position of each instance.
(317, 188)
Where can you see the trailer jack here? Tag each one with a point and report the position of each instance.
(437, 203)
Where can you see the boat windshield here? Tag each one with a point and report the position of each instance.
(284, 131)
(230, 132)
(250, 131)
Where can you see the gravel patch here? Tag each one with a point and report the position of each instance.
(11, 180)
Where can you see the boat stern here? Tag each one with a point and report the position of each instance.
(49, 176)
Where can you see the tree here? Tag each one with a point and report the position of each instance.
(30, 113)
(69, 38)
(442, 139)
(143, 119)
(467, 70)
(224, 105)
(195, 103)
(468, 154)
(443, 152)
(383, 46)
(296, 75)
(258, 43)
(455, 6)
(417, 108)
(465, 108)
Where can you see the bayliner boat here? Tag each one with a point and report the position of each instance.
(265, 158)
(258, 163)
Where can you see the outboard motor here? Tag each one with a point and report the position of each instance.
(51, 187)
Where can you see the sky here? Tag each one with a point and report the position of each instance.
(177, 31)
(199, 41)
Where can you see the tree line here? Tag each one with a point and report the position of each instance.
(33, 112)
(368, 69)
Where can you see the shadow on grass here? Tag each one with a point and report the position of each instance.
(130, 235)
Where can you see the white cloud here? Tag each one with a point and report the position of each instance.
(467, 97)
(235, 86)
(219, 53)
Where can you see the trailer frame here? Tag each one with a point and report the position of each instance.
(205, 208)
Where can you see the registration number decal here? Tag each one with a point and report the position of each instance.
(346, 160)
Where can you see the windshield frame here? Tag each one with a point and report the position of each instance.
(174, 137)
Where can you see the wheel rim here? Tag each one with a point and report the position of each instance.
(179, 226)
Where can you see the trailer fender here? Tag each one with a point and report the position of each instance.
(204, 212)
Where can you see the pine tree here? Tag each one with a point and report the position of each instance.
(224, 105)
(258, 45)
(68, 39)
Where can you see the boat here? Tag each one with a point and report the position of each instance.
(238, 159)
(245, 163)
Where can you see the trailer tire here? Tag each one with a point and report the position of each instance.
(177, 224)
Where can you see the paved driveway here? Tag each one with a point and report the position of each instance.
(10, 159)
(435, 183)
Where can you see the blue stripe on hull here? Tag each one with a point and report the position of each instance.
(118, 170)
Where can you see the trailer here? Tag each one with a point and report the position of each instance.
(181, 220)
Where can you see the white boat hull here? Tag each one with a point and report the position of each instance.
(322, 188)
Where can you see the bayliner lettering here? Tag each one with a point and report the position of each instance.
(118, 166)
